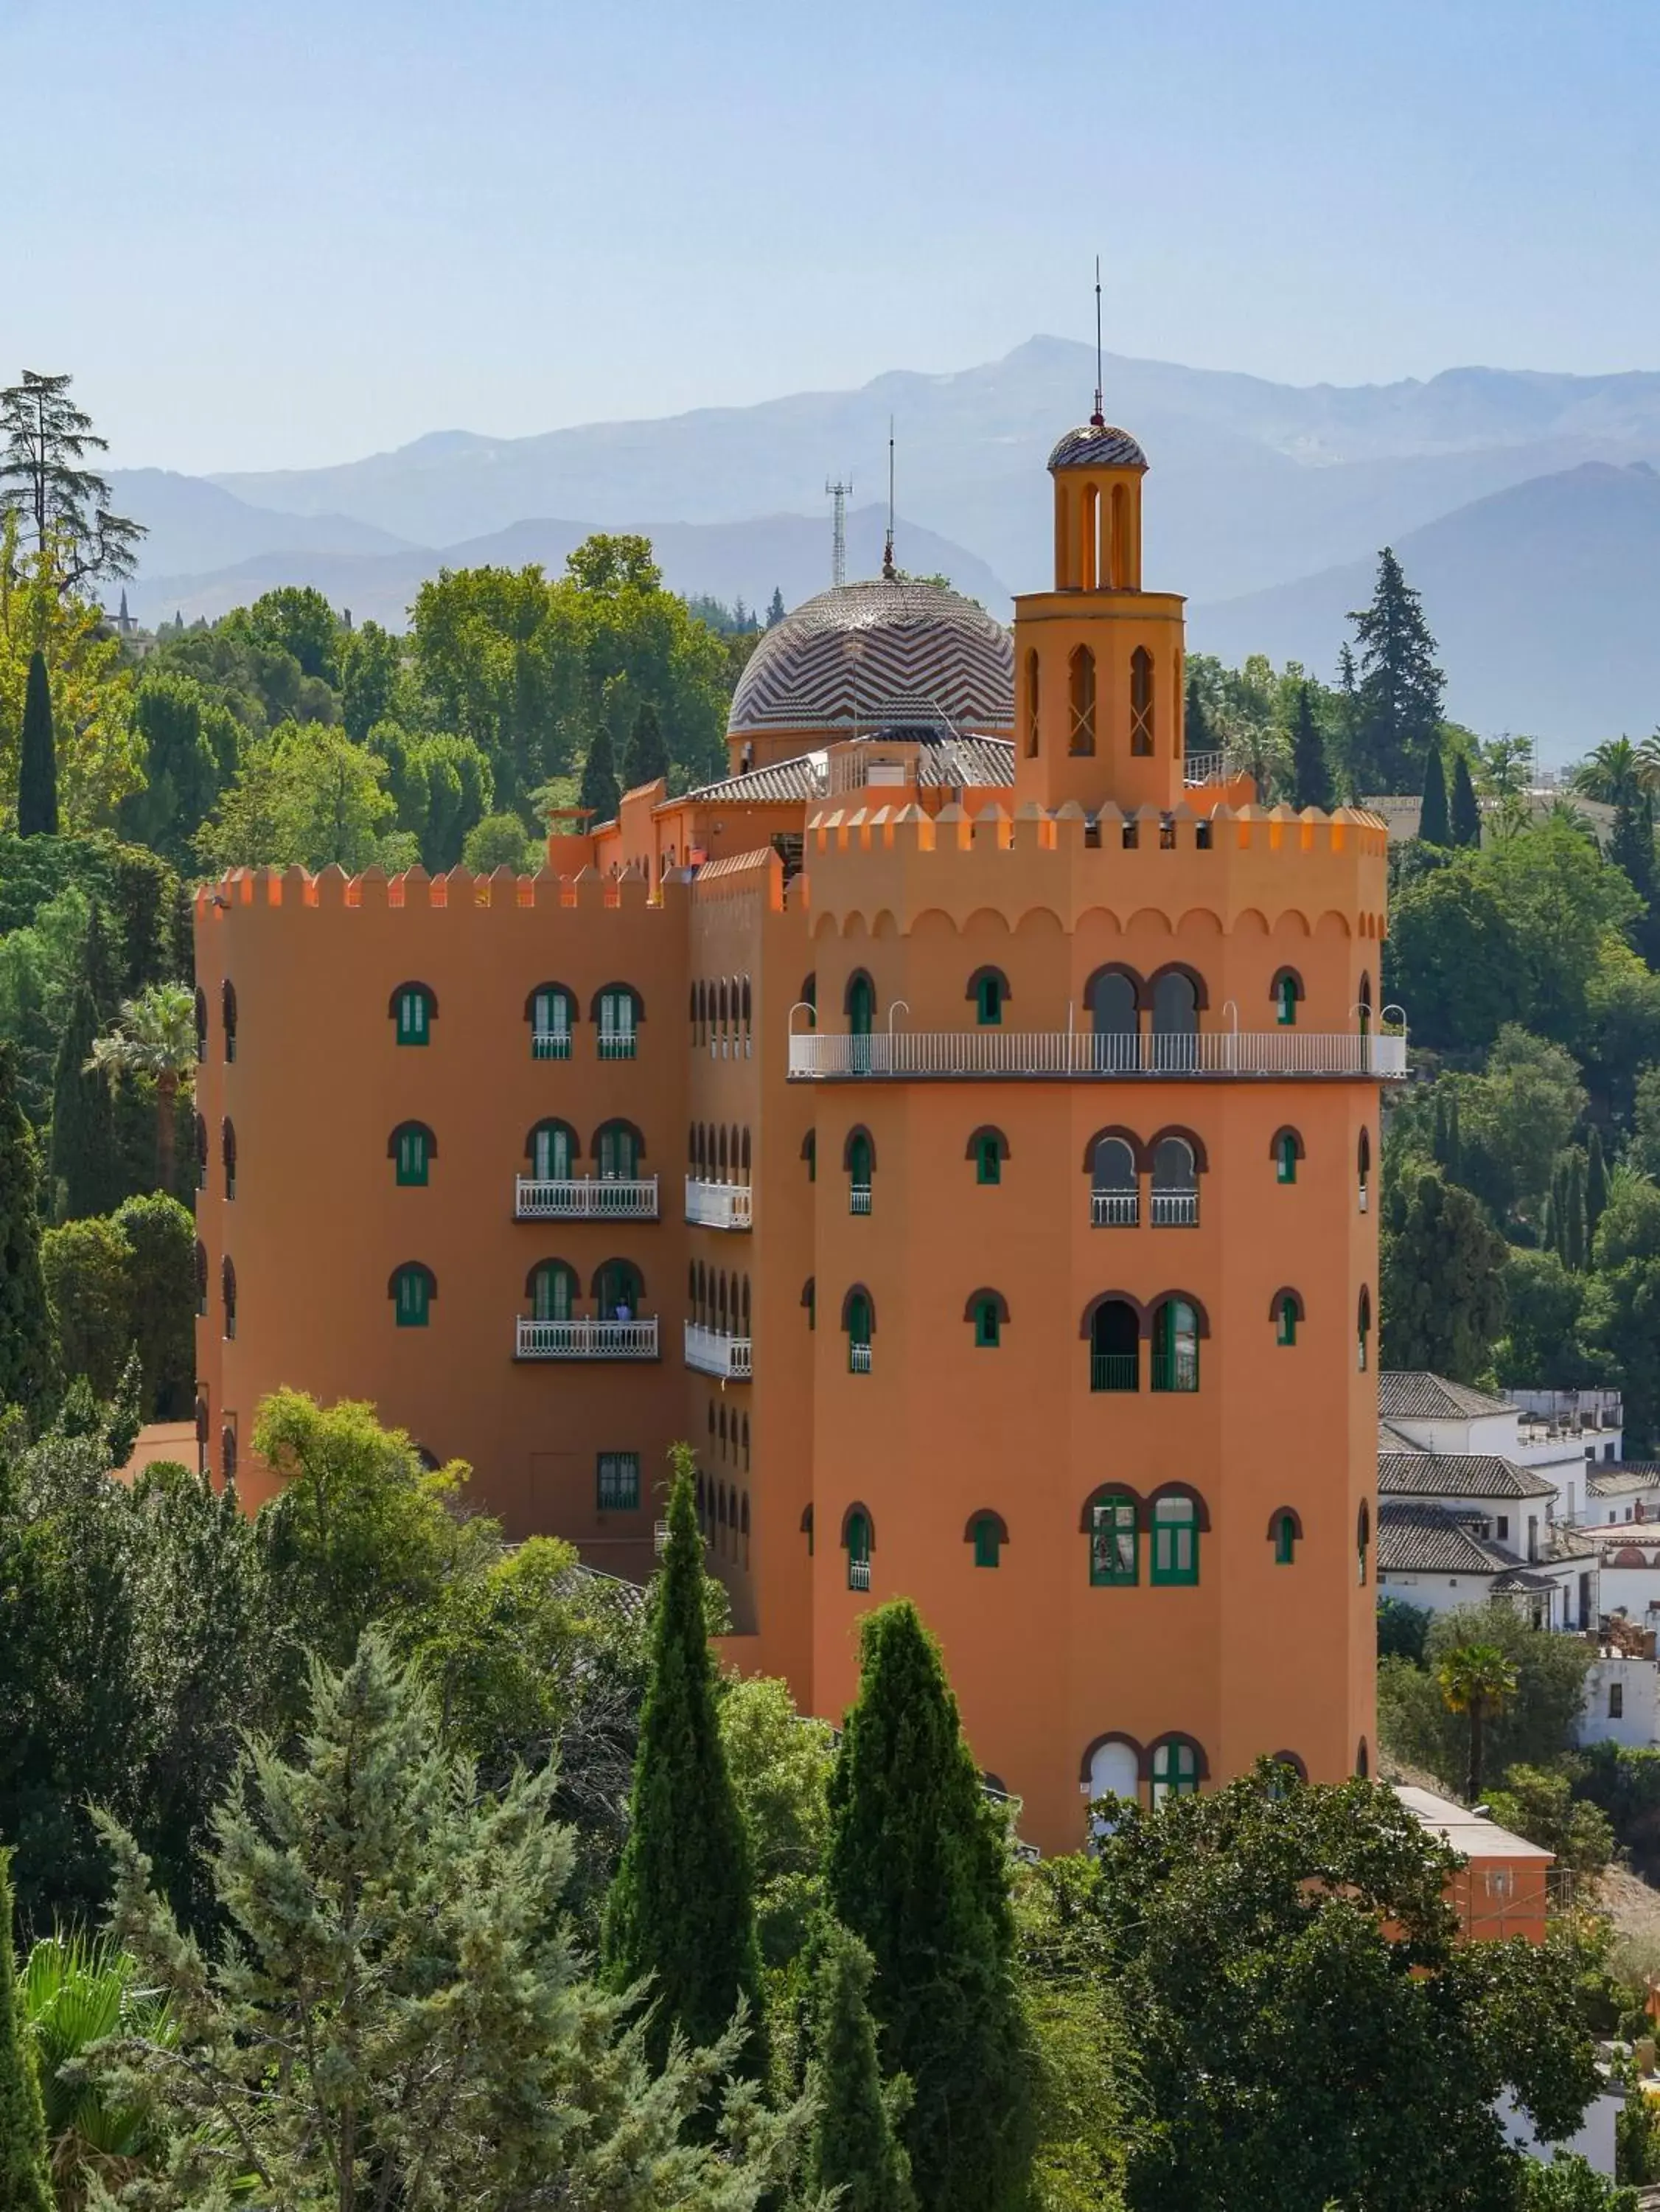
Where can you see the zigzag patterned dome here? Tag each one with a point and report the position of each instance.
(880, 652)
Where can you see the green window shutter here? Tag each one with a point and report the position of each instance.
(1287, 1158)
(1175, 1542)
(617, 1025)
(617, 1482)
(1114, 1549)
(987, 1543)
(412, 1158)
(988, 993)
(1286, 991)
(861, 1007)
(1287, 1322)
(1175, 1771)
(552, 1291)
(413, 1011)
(550, 1026)
(986, 1324)
(1285, 1542)
(619, 1160)
(988, 1167)
(550, 1153)
(414, 1292)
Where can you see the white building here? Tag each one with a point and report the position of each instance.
(1433, 1554)
(1556, 1433)
(1626, 1490)
(1622, 1702)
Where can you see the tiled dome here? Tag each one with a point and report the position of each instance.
(1097, 446)
(885, 652)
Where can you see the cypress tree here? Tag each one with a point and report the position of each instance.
(83, 1163)
(25, 1348)
(1453, 1165)
(775, 608)
(1311, 775)
(1466, 813)
(1574, 1231)
(1433, 827)
(647, 756)
(37, 766)
(599, 791)
(1438, 1142)
(1596, 1185)
(855, 2148)
(1548, 1236)
(23, 2184)
(918, 1868)
(682, 1908)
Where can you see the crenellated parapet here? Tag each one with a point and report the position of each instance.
(457, 891)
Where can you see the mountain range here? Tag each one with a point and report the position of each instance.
(1510, 497)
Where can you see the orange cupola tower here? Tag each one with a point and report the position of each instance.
(1097, 660)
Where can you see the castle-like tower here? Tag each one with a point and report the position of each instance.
(965, 1138)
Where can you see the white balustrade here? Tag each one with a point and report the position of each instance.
(1115, 1209)
(1175, 1209)
(588, 1337)
(858, 1198)
(999, 1052)
(718, 1205)
(711, 1352)
(576, 1198)
(858, 1574)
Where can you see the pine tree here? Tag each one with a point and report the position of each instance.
(918, 1868)
(26, 1351)
(1311, 775)
(1399, 701)
(775, 608)
(1433, 825)
(855, 2148)
(681, 1907)
(599, 792)
(37, 765)
(83, 1165)
(1596, 1185)
(1466, 812)
(23, 2184)
(647, 756)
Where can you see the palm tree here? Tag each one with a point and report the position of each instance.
(1612, 771)
(1475, 1679)
(155, 1037)
(75, 1991)
(1648, 763)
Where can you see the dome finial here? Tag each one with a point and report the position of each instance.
(888, 570)
(1098, 421)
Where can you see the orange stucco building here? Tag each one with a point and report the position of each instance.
(958, 1124)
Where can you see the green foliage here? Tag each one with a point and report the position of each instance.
(600, 792)
(23, 2184)
(1568, 2184)
(1476, 1680)
(297, 619)
(1398, 716)
(917, 1867)
(192, 746)
(501, 841)
(1433, 826)
(442, 787)
(1542, 1807)
(1538, 1725)
(440, 2048)
(161, 1236)
(647, 756)
(1402, 1630)
(1451, 958)
(682, 1908)
(779, 1761)
(1086, 2105)
(1440, 1279)
(85, 1264)
(854, 2148)
(304, 794)
(1625, 1783)
(1543, 1304)
(26, 1358)
(36, 772)
(1465, 821)
(155, 1040)
(1311, 773)
(1310, 2029)
(84, 1170)
(73, 1990)
(369, 669)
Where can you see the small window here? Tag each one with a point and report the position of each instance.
(200, 1278)
(616, 1148)
(860, 1159)
(227, 1001)
(617, 1482)
(810, 1152)
(990, 991)
(1287, 1150)
(858, 1332)
(859, 1551)
(1113, 1547)
(201, 1024)
(1286, 991)
(413, 1010)
(202, 1155)
(1363, 1331)
(551, 1013)
(1141, 701)
(227, 1293)
(553, 1288)
(227, 1146)
(988, 1323)
(1175, 1540)
(988, 1540)
(1175, 1770)
(413, 1289)
(1286, 1333)
(1285, 1539)
(1501, 1528)
(1362, 1543)
(618, 1014)
(1175, 1346)
(861, 1004)
(412, 1151)
(1616, 1701)
(988, 1158)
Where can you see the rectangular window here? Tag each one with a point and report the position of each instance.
(412, 1300)
(618, 1482)
(412, 1017)
(412, 1157)
(1112, 1546)
(1503, 1528)
(988, 1161)
(550, 1027)
(1616, 1701)
(1175, 1542)
(1285, 1542)
(988, 994)
(986, 1325)
(617, 1025)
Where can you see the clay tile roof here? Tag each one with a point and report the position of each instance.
(1457, 1474)
(981, 761)
(1413, 1395)
(1618, 1478)
(1419, 1537)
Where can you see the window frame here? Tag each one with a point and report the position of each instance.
(1181, 1777)
(1167, 1568)
(988, 1325)
(988, 1540)
(1285, 1539)
(1125, 1511)
(405, 999)
(612, 1467)
(413, 1288)
(418, 1134)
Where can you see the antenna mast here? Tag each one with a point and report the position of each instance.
(1098, 421)
(838, 492)
(888, 568)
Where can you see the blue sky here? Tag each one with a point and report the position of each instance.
(275, 234)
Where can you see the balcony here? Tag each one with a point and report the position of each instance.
(587, 1339)
(1175, 1209)
(550, 1044)
(583, 1198)
(858, 1574)
(1115, 1370)
(1115, 1209)
(858, 1198)
(980, 1054)
(616, 1044)
(718, 1205)
(711, 1352)
(859, 1360)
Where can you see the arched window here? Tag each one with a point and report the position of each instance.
(1175, 1540)
(618, 1289)
(1141, 701)
(810, 1152)
(551, 1011)
(201, 1278)
(1292, 1770)
(1176, 1769)
(810, 999)
(988, 1310)
(412, 1289)
(1285, 1312)
(1362, 1543)
(228, 1003)
(551, 1287)
(1113, 1769)
(618, 1147)
(1287, 991)
(618, 1011)
(1113, 997)
(1285, 1529)
(1363, 1167)
(988, 1148)
(807, 1528)
(859, 1157)
(1115, 1346)
(1175, 1020)
(1111, 1519)
(858, 1318)
(1363, 1762)
(861, 1004)
(989, 989)
(201, 1024)
(1081, 692)
(743, 1528)
(1032, 704)
(552, 1150)
(1364, 1006)
(1363, 1330)
(227, 1293)
(1175, 1184)
(1285, 1151)
(858, 1535)
(201, 1151)
(746, 1446)
(1175, 1346)
(1115, 1197)
(414, 1008)
(809, 1298)
(987, 1533)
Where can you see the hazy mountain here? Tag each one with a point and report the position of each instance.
(1544, 599)
(193, 523)
(728, 561)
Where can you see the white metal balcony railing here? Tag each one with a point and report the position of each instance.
(1175, 1209)
(718, 1205)
(997, 1052)
(1115, 1209)
(711, 1352)
(859, 1360)
(858, 1198)
(858, 1574)
(550, 1044)
(1366, 1200)
(588, 1337)
(1204, 768)
(577, 1198)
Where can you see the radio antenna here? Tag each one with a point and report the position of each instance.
(1098, 421)
(888, 567)
(837, 493)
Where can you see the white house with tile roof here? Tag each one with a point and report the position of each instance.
(1427, 1413)
(1432, 1553)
